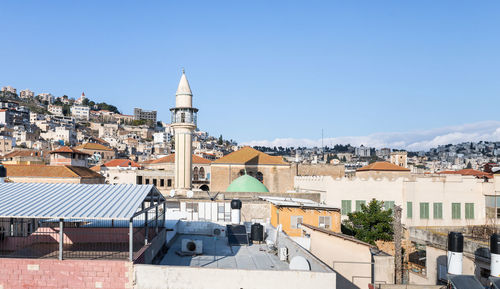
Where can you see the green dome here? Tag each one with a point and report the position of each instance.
(247, 184)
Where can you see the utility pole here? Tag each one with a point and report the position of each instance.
(397, 244)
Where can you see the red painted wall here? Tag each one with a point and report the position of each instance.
(50, 273)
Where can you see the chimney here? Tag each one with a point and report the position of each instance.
(455, 253)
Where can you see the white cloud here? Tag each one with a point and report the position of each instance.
(413, 140)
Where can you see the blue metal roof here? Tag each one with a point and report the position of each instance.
(84, 201)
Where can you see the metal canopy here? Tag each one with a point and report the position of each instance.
(495, 282)
(83, 201)
(465, 282)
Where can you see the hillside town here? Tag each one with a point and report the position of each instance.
(249, 145)
(201, 185)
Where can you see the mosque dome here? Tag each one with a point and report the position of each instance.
(247, 184)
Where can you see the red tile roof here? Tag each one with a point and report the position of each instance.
(122, 163)
(66, 149)
(468, 172)
(41, 171)
(171, 159)
(383, 166)
(249, 155)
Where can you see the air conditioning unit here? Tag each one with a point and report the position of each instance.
(192, 246)
(283, 253)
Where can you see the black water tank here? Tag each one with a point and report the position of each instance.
(455, 242)
(3, 171)
(495, 244)
(257, 232)
(235, 204)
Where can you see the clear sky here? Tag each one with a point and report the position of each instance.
(262, 70)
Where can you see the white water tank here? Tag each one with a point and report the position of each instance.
(455, 253)
(235, 211)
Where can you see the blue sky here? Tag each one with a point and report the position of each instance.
(266, 70)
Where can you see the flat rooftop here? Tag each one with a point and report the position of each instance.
(218, 254)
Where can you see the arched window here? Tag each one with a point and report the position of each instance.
(195, 173)
(202, 173)
(242, 172)
(259, 176)
(183, 117)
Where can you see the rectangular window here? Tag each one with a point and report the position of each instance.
(424, 210)
(173, 205)
(147, 181)
(438, 210)
(455, 211)
(155, 182)
(389, 205)
(295, 221)
(325, 222)
(358, 205)
(346, 207)
(139, 180)
(469, 210)
(409, 210)
(169, 182)
(192, 207)
(162, 182)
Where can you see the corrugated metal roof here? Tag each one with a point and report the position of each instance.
(84, 201)
(295, 202)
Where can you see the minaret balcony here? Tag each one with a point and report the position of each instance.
(184, 115)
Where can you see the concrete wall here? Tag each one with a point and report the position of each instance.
(50, 273)
(179, 277)
(284, 215)
(352, 260)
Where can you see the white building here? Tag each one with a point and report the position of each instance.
(47, 97)
(161, 137)
(80, 99)
(80, 112)
(9, 89)
(60, 133)
(26, 93)
(363, 151)
(426, 200)
(55, 109)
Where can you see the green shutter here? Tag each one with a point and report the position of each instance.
(358, 205)
(424, 210)
(346, 207)
(469, 210)
(455, 211)
(438, 210)
(409, 210)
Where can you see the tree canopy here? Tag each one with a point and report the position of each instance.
(371, 223)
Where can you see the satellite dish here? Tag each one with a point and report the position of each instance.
(172, 193)
(299, 263)
(189, 194)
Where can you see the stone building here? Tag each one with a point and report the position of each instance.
(66, 156)
(100, 152)
(274, 172)
(382, 169)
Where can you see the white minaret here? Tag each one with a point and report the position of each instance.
(183, 123)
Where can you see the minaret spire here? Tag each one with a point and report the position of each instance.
(183, 123)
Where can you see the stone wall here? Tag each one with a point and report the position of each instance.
(335, 171)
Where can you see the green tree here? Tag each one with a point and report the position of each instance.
(370, 224)
(469, 165)
(220, 141)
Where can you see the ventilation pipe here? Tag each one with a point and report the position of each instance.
(235, 211)
(495, 255)
(455, 253)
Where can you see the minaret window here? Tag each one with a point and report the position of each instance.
(183, 117)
